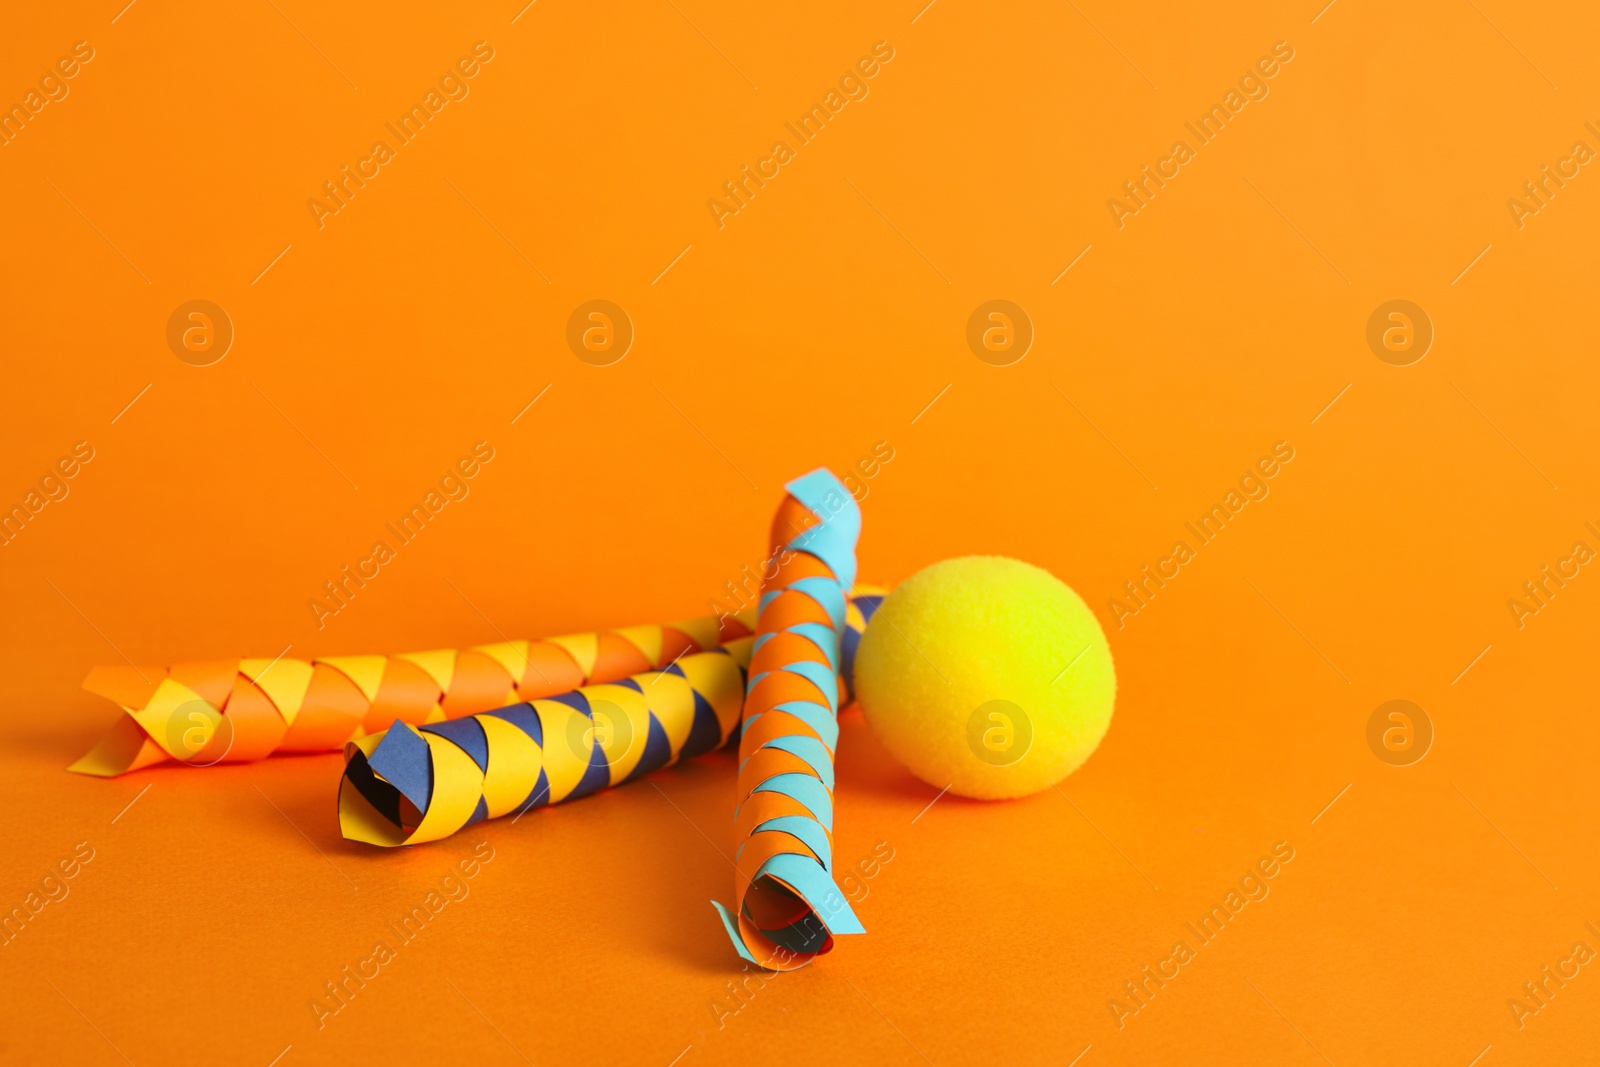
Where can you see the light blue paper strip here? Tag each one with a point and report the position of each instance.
(806, 791)
(826, 640)
(829, 595)
(834, 541)
(816, 888)
(820, 676)
(816, 716)
(814, 752)
(799, 826)
(731, 924)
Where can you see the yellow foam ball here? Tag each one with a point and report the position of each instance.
(988, 675)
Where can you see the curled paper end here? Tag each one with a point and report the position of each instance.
(124, 748)
(731, 925)
(782, 927)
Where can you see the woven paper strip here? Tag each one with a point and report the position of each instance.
(787, 908)
(235, 710)
(412, 784)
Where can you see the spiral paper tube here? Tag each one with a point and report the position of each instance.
(414, 784)
(207, 712)
(787, 908)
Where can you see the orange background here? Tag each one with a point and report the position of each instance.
(821, 319)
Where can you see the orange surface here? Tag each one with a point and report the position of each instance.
(1223, 317)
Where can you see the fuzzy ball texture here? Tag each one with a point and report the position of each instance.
(988, 675)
